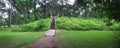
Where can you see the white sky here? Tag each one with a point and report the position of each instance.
(8, 6)
(71, 2)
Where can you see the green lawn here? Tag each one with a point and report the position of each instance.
(18, 39)
(86, 39)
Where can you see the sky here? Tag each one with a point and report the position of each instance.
(71, 2)
(8, 6)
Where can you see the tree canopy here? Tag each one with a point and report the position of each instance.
(31, 10)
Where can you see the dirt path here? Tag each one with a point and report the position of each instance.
(44, 42)
(48, 41)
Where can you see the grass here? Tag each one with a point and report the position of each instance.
(117, 39)
(17, 39)
(87, 39)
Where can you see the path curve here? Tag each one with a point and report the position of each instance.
(48, 41)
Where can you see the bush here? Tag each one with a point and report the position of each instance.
(115, 26)
(40, 25)
(79, 23)
(4, 29)
(69, 23)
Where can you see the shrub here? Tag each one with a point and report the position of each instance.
(80, 24)
(115, 26)
(40, 25)
(4, 29)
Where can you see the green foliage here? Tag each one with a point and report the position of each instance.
(80, 23)
(111, 24)
(87, 24)
(4, 29)
(40, 25)
(111, 7)
(115, 26)
(108, 21)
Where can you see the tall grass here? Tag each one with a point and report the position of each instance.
(84, 24)
(40, 25)
(80, 23)
(69, 23)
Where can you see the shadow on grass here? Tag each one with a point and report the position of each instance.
(117, 39)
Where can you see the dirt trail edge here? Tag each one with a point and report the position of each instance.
(48, 41)
(45, 42)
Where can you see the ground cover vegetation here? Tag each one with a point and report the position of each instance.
(81, 22)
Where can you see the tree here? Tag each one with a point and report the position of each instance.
(111, 8)
(0, 21)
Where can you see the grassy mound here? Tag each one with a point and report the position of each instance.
(40, 25)
(84, 24)
(79, 23)
(69, 23)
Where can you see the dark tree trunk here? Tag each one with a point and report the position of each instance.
(62, 14)
(44, 8)
(51, 9)
(17, 20)
(44, 11)
(26, 15)
(0, 22)
(35, 16)
(9, 17)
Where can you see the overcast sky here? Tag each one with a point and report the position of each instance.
(71, 2)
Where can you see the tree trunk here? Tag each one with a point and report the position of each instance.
(9, 17)
(0, 22)
(26, 15)
(17, 20)
(62, 9)
(44, 11)
(51, 10)
(35, 16)
(44, 8)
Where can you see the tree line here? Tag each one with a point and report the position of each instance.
(25, 11)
